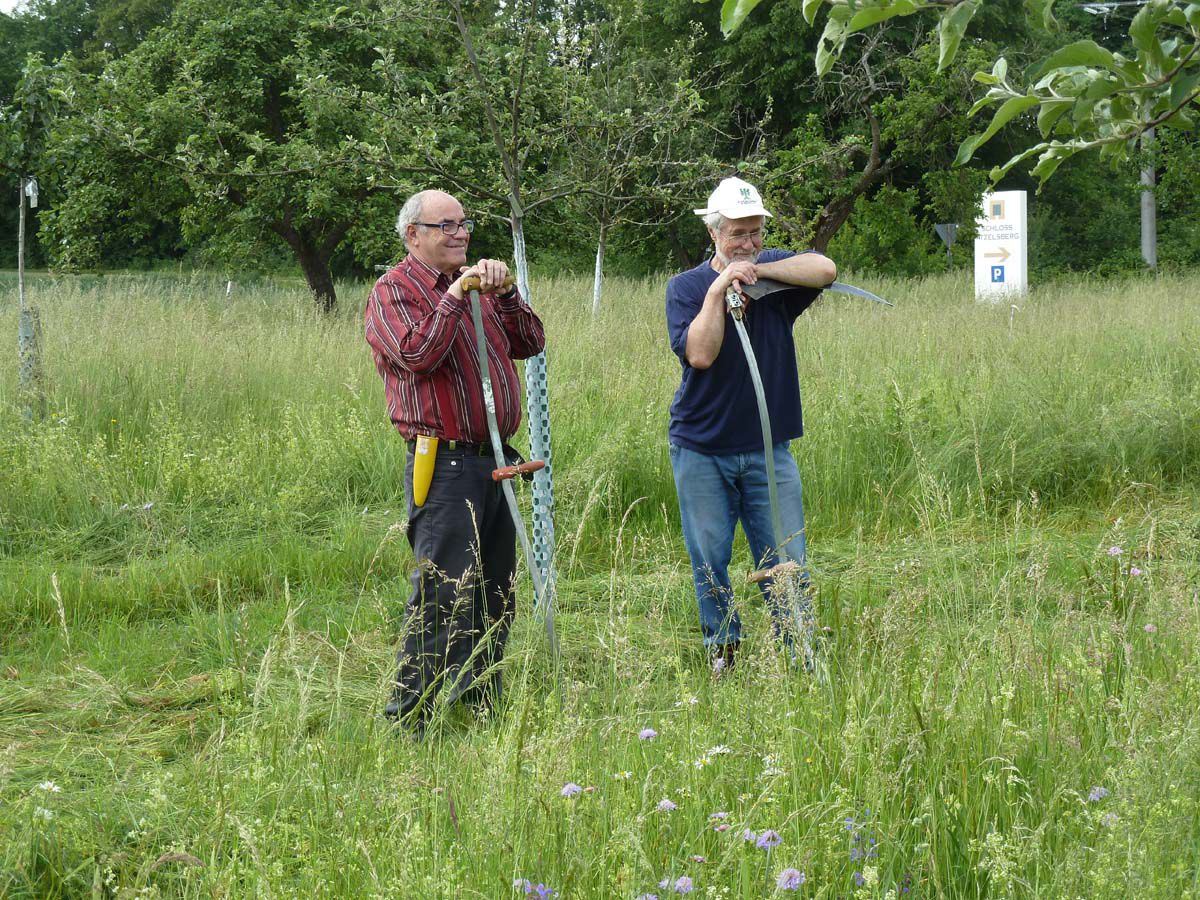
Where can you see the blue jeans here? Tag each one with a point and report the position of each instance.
(715, 493)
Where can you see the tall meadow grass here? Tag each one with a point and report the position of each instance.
(203, 566)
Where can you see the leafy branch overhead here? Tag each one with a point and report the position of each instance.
(1086, 97)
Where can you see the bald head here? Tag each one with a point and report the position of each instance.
(420, 224)
(413, 210)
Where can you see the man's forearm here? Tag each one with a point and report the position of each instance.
(806, 269)
(707, 332)
(417, 345)
(526, 335)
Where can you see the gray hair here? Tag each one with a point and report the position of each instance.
(410, 214)
(715, 221)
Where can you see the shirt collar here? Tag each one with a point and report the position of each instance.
(418, 268)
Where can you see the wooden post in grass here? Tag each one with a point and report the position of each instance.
(29, 381)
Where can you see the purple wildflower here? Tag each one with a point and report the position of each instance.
(1150, 628)
(859, 879)
(1115, 551)
(647, 734)
(748, 835)
(719, 816)
(530, 889)
(1108, 820)
(696, 858)
(683, 885)
(571, 789)
(1097, 794)
(647, 897)
(665, 805)
(768, 839)
(723, 826)
(789, 880)
(1135, 571)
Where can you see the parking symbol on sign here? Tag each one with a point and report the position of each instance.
(997, 274)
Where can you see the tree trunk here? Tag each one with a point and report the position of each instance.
(836, 212)
(598, 280)
(830, 219)
(315, 266)
(1149, 210)
(685, 257)
(29, 379)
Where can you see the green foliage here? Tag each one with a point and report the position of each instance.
(1088, 97)
(610, 112)
(887, 236)
(25, 121)
(1098, 230)
(899, 124)
(275, 164)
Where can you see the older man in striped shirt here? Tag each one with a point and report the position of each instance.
(418, 324)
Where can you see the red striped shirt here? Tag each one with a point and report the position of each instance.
(424, 348)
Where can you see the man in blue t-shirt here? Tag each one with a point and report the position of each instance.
(716, 440)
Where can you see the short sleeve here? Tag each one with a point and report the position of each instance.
(799, 299)
(683, 305)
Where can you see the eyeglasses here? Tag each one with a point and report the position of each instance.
(747, 235)
(451, 228)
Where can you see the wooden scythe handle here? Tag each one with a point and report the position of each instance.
(471, 283)
(525, 468)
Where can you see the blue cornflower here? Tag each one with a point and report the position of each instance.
(768, 839)
(530, 889)
(859, 879)
(789, 880)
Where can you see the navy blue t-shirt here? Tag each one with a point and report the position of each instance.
(715, 410)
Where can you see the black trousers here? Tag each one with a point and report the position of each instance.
(463, 599)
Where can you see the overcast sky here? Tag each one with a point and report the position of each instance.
(8, 5)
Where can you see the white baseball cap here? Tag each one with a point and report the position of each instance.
(734, 199)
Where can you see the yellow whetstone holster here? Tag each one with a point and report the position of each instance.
(424, 455)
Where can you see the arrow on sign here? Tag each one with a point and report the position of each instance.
(1002, 254)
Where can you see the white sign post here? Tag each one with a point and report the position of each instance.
(1002, 247)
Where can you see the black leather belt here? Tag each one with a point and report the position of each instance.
(462, 448)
